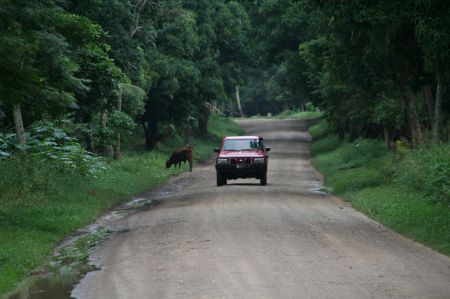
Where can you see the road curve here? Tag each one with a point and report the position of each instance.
(283, 240)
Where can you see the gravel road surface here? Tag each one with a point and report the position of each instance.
(242, 240)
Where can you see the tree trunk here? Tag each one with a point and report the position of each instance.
(151, 128)
(117, 143)
(18, 124)
(386, 136)
(238, 100)
(416, 120)
(203, 119)
(448, 131)
(138, 6)
(302, 106)
(107, 148)
(414, 130)
(410, 120)
(408, 97)
(428, 93)
(341, 134)
(437, 111)
(353, 132)
(187, 134)
(151, 134)
(90, 140)
(116, 154)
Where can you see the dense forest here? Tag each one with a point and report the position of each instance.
(96, 94)
(99, 69)
(376, 68)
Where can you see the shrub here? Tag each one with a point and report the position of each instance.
(320, 130)
(310, 107)
(51, 145)
(325, 144)
(361, 152)
(427, 170)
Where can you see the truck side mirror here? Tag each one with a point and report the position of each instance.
(267, 149)
(216, 150)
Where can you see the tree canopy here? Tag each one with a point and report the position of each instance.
(375, 68)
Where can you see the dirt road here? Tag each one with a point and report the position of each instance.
(284, 240)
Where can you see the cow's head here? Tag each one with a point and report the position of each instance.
(169, 163)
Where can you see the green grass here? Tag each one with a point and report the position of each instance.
(408, 193)
(290, 114)
(353, 166)
(39, 208)
(325, 144)
(320, 130)
(427, 170)
(407, 213)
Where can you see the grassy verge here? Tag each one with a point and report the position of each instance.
(290, 114)
(408, 192)
(39, 208)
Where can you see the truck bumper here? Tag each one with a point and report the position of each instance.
(235, 171)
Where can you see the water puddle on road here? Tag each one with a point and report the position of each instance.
(317, 187)
(66, 267)
(69, 264)
(53, 285)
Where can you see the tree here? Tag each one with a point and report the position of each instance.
(40, 72)
(433, 34)
(176, 75)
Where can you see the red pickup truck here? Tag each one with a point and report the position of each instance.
(242, 157)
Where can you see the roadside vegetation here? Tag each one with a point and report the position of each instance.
(42, 202)
(94, 96)
(295, 114)
(407, 190)
(86, 82)
(309, 112)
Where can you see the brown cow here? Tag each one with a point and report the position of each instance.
(180, 155)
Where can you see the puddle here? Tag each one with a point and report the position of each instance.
(53, 285)
(318, 188)
(66, 267)
(69, 264)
